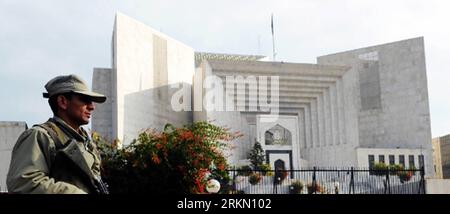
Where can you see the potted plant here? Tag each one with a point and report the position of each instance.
(296, 187)
(379, 169)
(406, 176)
(315, 188)
(266, 170)
(255, 178)
(395, 169)
(280, 175)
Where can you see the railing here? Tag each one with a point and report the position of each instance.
(328, 181)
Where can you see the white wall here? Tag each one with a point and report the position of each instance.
(437, 186)
(143, 60)
(9, 133)
(403, 119)
(363, 156)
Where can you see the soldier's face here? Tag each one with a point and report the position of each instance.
(80, 109)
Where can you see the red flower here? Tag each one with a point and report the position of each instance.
(221, 167)
(186, 135)
(159, 146)
(156, 159)
(195, 163)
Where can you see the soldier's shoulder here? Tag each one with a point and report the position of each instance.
(35, 130)
(32, 135)
(38, 128)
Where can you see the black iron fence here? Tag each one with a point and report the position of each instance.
(328, 181)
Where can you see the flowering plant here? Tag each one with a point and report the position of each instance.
(280, 175)
(176, 160)
(315, 188)
(296, 187)
(255, 178)
(379, 169)
(405, 176)
(266, 170)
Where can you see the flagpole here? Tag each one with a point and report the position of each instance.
(273, 39)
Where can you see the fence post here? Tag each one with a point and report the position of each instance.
(352, 183)
(422, 180)
(234, 189)
(314, 184)
(275, 177)
(388, 182)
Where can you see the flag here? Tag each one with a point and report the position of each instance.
(271, 23)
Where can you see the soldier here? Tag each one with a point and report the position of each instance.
(59, 156)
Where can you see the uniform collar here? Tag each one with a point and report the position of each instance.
(70, 131)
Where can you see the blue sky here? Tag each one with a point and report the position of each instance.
(42, 39)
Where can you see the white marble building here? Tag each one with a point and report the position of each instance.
(145, 63)
(9, 133)
(350, 109)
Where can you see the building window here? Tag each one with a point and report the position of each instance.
(391, 160)
(421, 161)
(371, 161)
(381, 158)
(411, 162)
(401, 160)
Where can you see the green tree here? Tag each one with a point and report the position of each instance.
(256, 156)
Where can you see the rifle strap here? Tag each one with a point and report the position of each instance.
(58, 139)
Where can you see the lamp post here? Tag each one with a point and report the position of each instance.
(336, 187)
(213, 186)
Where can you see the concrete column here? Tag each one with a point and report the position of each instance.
(328, 120)
(315, 125)
(340, 111)
(321, 121)
(334, 115)
(308, 126)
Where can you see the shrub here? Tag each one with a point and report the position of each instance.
(315, 188)
(280, 175)
(256, 156)
(266, 170)
(244, 171)
(395, 169)
(296, 187)
(379, 169)
(240, 192)
(255, 178)
(175, 161)
(406, 176)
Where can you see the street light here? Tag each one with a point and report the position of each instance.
(213, 186)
